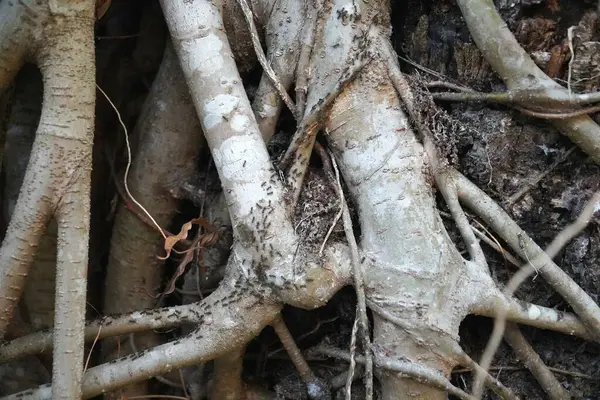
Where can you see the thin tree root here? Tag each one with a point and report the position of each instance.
(418, 372)
(558, 371)
(359, 286)
(262, 59)
(316, 388)
(534, 363)
(540, 262)
(557, 99)
(107, 326)
(221, 328)
(531, 314)
(478, 201)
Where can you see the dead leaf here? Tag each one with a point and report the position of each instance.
(170, 241)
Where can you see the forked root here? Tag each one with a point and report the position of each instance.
(478, 201)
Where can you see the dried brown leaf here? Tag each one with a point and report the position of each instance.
(171, 241)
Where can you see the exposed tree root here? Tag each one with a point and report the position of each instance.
(519, 241)
(37, 303)
(56, 185)
(168, 153)
(519, 72)
(446, 185)
(530, 314)
(414, 277)
(226, 320)
(534, 363)
(528, 269)
(415, 371)
(220, 330)
(227, 376)
(18, 23)
(315, 387)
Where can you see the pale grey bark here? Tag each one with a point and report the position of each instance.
(20, 23)
(66, 60)
(226, 320)
(415, 277)
(57, 181)
(37, 305)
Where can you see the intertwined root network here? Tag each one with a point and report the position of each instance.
(348, 85)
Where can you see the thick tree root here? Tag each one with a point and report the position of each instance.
(171, 137)
(519, 72)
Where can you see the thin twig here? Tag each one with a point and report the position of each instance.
(87, 361)
(328, 168)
